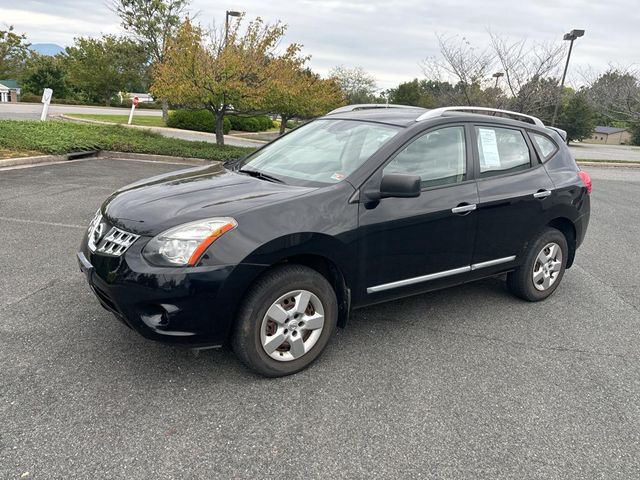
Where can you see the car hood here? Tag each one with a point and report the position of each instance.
(151, 206)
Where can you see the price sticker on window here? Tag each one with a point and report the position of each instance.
(490, 157)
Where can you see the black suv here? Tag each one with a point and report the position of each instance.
(272, 251)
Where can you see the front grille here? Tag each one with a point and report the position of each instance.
(116, 242)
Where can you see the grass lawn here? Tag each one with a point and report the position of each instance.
(58, 138)
(138, 118)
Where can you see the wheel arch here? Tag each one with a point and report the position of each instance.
(568, 229)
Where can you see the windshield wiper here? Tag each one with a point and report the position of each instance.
(263, 176)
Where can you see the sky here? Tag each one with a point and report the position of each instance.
(388, 38)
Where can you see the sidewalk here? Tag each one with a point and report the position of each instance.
(190, 135)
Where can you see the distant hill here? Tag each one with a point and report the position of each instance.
(47, 48)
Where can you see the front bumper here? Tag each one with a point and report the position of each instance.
(191, 306)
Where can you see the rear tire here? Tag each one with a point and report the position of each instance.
(285, 321)
(543, 267)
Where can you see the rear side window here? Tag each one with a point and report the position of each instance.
(438, 157)
(501, 150)
(547, 146)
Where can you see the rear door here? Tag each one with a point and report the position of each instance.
(514, 191)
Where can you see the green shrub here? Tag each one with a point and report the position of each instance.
(198, 120)
(256, 123)
(30, 98)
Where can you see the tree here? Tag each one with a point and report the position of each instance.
(297, 92)
(220, 74)
(14, 50)
(616, 95)
(423, 93)
(469, 66)
(154, 23)
(577, 118)
(538, 97)
(41, 71)
(100, 68)
(356, 84)
(524, 63)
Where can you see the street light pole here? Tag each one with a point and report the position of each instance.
(572, 35)
(229, 13)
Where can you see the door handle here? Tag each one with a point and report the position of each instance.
(464, 208)
(542, 194)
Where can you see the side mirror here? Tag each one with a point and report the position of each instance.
(400, 185)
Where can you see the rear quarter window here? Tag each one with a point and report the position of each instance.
(546, 146)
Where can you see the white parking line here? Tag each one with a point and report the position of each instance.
(38, 222)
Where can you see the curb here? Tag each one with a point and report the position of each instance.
(147, 157)
(105, 155)
(37, 160)
(587, 163)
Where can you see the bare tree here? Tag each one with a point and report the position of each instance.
(615, 94)
(460, 60)
(525, 64)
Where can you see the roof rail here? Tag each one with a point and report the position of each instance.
(437, 112)
(368, 106)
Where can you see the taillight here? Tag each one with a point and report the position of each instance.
(586, 179)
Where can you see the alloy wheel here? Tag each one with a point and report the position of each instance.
(292, 325)
(547, 267)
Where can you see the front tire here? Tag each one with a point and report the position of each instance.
(285, 321)
(543, 267)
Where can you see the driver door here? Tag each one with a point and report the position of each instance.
(415, 244)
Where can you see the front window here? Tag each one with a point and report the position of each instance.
(321, 152)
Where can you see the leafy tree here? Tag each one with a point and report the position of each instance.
(41, 71)
(100, 68)
(356, 84)
(577, 118)
(299, 93)
(423, 93)
(221, 74)
(14, 50)
(537, 97)
(154, 23)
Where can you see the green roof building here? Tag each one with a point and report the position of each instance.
(9, 91)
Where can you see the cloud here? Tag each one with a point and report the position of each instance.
(386, 37)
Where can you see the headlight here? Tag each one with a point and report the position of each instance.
(185, 244)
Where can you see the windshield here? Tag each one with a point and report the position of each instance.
(324, 151)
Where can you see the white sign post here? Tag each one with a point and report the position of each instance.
(46, 100)
(134, 104)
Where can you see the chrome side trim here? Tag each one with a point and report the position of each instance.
(423, 278)
(437, 275)
(491, 263)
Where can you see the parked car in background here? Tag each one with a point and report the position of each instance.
(364, 205)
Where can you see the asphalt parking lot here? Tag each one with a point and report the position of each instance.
(464, 383)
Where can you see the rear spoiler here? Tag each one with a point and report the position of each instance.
(560, 132)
